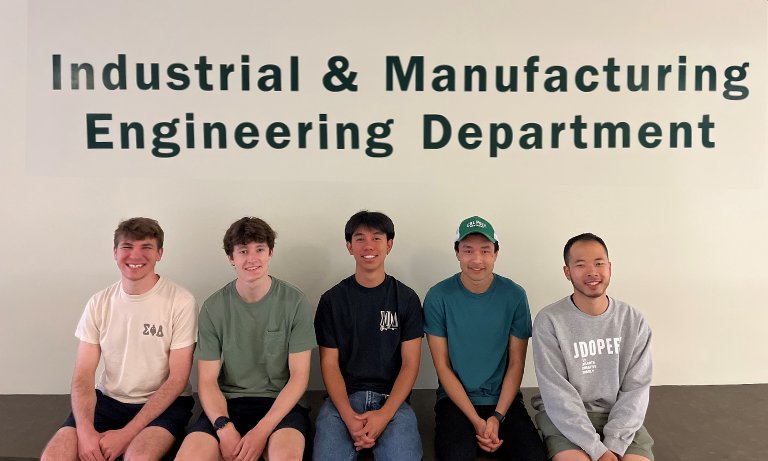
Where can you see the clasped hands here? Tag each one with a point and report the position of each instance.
(367, 427)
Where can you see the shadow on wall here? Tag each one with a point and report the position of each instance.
(312, 268)
(429, 266)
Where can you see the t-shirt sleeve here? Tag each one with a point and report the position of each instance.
(434, 315)
(302, 332)
(326, 334)
(184, 323)
(521, 320)
(87, 330)
(208, 341)
(412, 323)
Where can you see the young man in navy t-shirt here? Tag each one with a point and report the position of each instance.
(369, 329)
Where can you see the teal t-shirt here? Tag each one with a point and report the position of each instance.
(253, 340)
(477, 327)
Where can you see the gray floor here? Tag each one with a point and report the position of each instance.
(688, 423)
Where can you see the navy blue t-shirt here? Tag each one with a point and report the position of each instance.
(367, 326)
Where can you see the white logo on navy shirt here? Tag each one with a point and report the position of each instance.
(388, 321)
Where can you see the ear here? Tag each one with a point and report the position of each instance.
(349, 247)
(567, 273)
(159, 254)
(114, 253)
(231, 261)
(390, 242)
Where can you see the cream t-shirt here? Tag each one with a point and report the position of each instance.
(136, 334)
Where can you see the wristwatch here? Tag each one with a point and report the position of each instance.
(498, 416)
(220, 422)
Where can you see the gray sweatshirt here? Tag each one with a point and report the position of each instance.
(599, 364)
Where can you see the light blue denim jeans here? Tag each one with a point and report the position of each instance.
(400, 440)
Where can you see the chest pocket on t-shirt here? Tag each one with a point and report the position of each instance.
(274, 344)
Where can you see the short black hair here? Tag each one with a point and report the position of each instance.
(495, 244)
(372, 220)
(586, 237)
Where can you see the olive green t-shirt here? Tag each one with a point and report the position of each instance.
(253, 340)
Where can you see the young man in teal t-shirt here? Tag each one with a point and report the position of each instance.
(483, 320)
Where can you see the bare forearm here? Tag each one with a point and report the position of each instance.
(157, 404)
(456, 392)
(212, 400)
(288, 398)
(83, 400)
(337, 391)
(510, 386)
(402, 387)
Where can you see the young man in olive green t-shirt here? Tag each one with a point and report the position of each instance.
(254, 346)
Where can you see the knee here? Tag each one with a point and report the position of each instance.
(133, 456)
(571, 455)
(62, 447)
(286, 457)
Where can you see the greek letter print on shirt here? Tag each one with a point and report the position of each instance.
(388, 321)
(150, 329)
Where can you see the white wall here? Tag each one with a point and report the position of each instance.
(690, 254)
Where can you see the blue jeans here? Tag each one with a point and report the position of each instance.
(400, 440)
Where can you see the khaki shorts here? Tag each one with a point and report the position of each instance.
(556, 442)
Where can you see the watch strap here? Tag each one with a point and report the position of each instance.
(499, 416)
(220, 422)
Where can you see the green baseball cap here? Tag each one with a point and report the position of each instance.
(476, 225)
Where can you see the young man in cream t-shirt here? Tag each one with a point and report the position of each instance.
(145, 329)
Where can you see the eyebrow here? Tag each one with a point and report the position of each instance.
(584, 260)
(482, 247)
(374, 233)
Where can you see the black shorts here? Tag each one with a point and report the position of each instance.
(246, 412)
(111, 415)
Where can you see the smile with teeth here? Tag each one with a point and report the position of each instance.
(369, 256)
(593, 284)
(135, 266)
(251, 268)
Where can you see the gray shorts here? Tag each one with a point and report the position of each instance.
(556, 442)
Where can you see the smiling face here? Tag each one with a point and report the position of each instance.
(588, 269)
(251, 261)
(370, 248)
(476, 258)
(136, 259)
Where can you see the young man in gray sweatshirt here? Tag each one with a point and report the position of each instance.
(593, 362)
